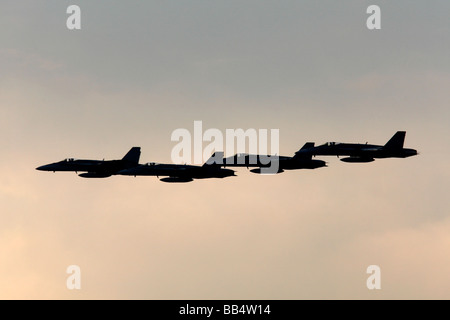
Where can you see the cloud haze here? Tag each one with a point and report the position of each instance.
(136, 71)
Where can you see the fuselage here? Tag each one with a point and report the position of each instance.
(277, 162)
(178, 170)
(359, 150)
(94, 168)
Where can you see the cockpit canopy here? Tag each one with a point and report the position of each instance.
(329, 144)
(69, 160)
(150, 164)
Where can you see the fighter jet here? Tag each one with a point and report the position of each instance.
(274, 164)
(180, 172)
(364, 152)
(96, 168)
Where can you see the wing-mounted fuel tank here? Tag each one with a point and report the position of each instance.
(357, 159)
(94, 175)
(176, 179)
(265, 171)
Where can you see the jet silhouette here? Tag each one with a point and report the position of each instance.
(274, 164)
(180, 172)
(363, 152)
(96, 168)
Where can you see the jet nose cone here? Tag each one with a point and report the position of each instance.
(42, 168)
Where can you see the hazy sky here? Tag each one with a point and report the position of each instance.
(138, 70)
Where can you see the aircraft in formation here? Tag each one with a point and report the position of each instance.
(356, 152)
(96, 168)
(181, 172)
(275, 164)
(302, 159)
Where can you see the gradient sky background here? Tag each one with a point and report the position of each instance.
(137, 70)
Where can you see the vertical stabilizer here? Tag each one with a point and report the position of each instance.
(215, 160)
(397, 140)
(133, 155)
(302, 153)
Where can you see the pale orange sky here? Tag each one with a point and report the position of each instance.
(137, 71)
